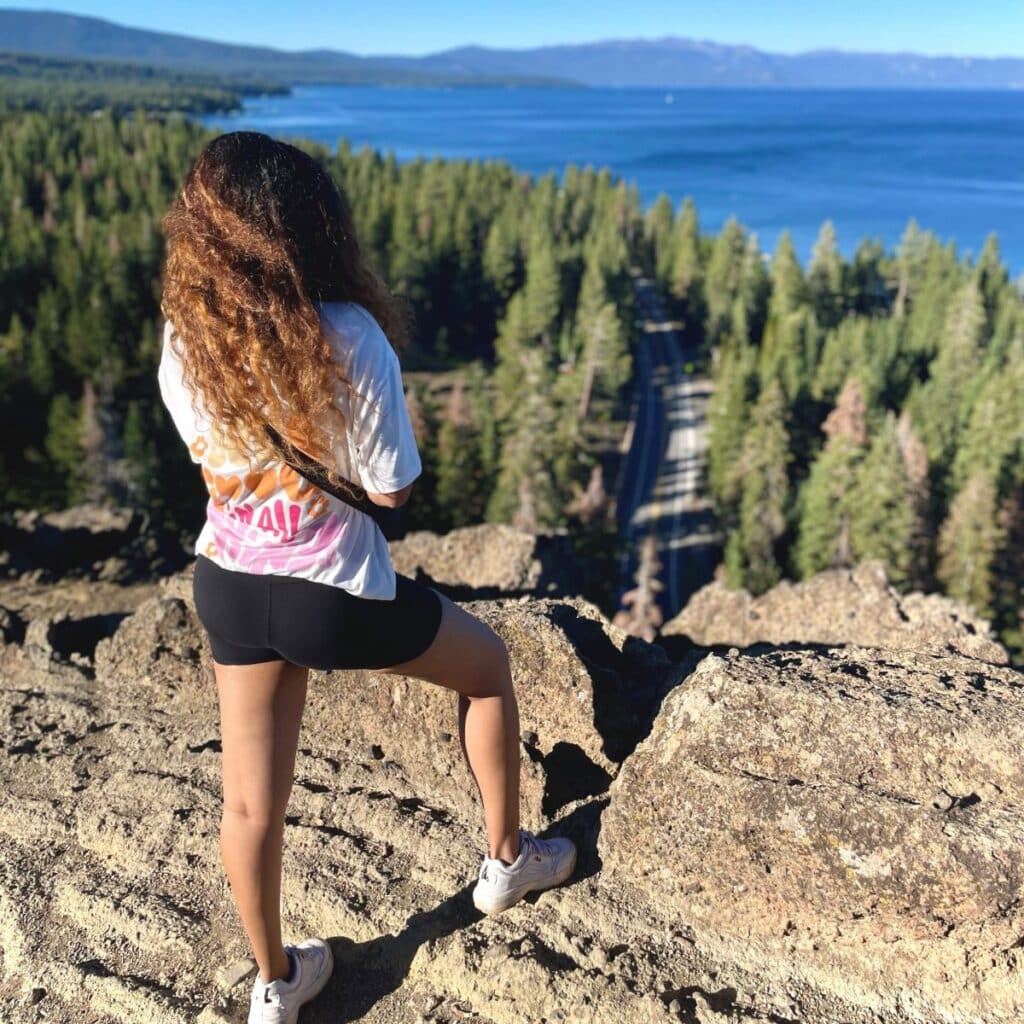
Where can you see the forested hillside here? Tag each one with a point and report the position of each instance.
(863, 408)
(30, 82)
(521, 290)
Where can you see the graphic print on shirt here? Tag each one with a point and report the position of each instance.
(276, 501)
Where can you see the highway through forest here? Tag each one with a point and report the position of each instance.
(660, 488)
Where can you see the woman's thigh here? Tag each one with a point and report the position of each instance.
(260, 715)
(466, 655)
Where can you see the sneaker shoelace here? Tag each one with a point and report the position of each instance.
(535, 847)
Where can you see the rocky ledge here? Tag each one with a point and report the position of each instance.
(812, 827)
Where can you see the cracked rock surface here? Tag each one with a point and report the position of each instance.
(816, 833)
(840, 606)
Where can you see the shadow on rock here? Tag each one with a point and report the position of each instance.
(367, 972)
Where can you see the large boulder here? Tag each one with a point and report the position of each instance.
(587, 692)
(490, 560)
(840, 606)
(113, 901)
(845, 826)
(809, 834)
(97, 542)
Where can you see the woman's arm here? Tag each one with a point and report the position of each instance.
(393, 500)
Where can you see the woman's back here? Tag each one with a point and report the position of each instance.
(265, 518)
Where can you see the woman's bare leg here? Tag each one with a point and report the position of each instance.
(469, 657)
(261, 714)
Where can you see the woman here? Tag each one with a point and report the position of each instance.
(274, 317)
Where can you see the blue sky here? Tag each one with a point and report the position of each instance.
(995, 27)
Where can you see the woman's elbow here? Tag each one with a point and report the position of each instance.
(393, 499)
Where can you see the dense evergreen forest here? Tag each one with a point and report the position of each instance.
(32, 82)
(521, 290)
(863, 408)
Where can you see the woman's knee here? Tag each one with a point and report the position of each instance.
(494, 661)
(258, 816)
(467, 656)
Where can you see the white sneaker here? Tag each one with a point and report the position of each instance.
(541, 864)
(278, 1001)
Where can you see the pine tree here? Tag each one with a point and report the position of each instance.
(1008, 582)
(724, 279)
(884, 521)
(826, 509)
(64, 446)
(994, 433)
(526, 492)
(686, 276)
(482, 410)
(789, 290)
(501, 258)
(658, 229)
(460, 477)
(914, 457)
(605, 360)
(424, 417)
(969, 541)
(510, 347)
(94, 465)
(13, 351)
(728, 417)
(825, 284)
(843, 353)
(942, 407)
(542, 291)
(911, 254)
(641, 614)
(992, 278)
(936, 281)
(752, 551)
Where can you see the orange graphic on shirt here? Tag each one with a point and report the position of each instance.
(229, 492)
(298, 488)
(262, 485)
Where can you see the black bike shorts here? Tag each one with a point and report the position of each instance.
(251, 618)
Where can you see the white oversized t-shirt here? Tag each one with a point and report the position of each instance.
(264, 517)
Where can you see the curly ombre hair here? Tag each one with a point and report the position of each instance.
(257, 235)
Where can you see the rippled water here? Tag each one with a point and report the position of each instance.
(869, 161)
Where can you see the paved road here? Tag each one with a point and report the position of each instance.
(659, 486)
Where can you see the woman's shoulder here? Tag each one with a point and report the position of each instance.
(350, 316)
(355, 332)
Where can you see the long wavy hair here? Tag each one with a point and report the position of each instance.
(257, 235)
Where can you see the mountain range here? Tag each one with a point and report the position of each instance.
(667, 62)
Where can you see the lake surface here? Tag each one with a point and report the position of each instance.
(868, 161)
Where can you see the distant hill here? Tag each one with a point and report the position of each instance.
(672, 62)
(69, 35)
(31, 81)
(664, 63)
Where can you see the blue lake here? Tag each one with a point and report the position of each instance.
(867, 160)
